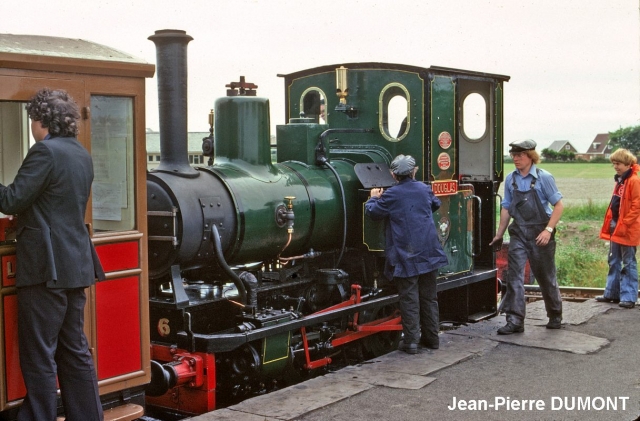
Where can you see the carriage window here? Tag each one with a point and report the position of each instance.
(112, 153)
(474, 116)
(15, 139)
(313, 104)
(394, 112)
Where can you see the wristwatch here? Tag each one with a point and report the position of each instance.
(549, 229)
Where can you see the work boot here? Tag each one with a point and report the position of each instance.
(430, 345)
(555, 322)
(627, 304)
(409, 348)
(510, 328)
(603, 299)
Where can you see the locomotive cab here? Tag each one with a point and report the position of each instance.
(451, 121)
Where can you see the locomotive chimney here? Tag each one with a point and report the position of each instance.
(171, 64)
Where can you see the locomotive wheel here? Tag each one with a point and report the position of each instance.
(246, 361)
(383, 342)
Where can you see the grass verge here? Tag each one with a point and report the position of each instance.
(581, 256)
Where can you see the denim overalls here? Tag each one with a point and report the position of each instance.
(529, 220)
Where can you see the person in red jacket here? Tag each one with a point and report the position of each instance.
(622, 228)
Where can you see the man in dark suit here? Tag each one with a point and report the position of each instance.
(56, 261)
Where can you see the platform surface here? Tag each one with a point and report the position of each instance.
(588, 370)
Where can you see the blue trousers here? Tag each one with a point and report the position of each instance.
(419, 308)
(622, 279)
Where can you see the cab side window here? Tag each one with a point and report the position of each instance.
(314, 105)
(394, 112)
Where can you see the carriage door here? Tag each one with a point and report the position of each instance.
(116, 313)
(15, 140)
(120, 300)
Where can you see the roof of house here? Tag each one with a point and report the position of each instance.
(559, 145)
(599, 144)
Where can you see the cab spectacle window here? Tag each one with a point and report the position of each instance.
(313, 103)
(394, 112)
(113, 163)
(474, 117)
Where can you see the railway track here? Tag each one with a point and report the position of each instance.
(578, 294)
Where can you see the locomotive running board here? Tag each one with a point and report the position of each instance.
(224, 342)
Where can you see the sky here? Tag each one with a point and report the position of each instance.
(574, 64)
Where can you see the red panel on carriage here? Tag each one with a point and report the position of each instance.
(119, 256)
(15, 384)
(118, 327)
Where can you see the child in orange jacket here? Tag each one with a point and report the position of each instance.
(622, 228)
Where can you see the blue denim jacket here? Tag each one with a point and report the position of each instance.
(412, 245)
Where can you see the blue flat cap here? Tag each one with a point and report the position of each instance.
(522, 145)
(403, 165)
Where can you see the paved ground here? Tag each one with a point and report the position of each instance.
(588, 370)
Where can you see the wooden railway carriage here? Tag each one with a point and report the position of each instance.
(109, 87)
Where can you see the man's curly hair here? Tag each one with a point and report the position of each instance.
(55, 110)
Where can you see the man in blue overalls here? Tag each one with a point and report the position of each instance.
(413, 252)
(528, 193)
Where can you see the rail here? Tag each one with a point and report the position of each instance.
(578, 294)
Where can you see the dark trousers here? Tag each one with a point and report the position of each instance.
(543, 266)
(52, 341)
(419, 308)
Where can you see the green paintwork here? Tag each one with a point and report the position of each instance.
(297, 142)
(373, 233)
(365, 86)
(243, 161)
(454, 225)
(317, 208)
(365, 93)
(275, 353)
(242, 130)
(443, 119)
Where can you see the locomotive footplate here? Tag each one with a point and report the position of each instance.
(227, 341)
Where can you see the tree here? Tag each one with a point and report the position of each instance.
(627, 137)
(566, 155)
(549, 154)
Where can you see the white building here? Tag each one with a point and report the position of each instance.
(195, 148)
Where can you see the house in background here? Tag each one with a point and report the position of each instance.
(599, 148)
(194, 140)
(562, 145)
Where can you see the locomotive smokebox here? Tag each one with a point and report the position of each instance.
(171, 58)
